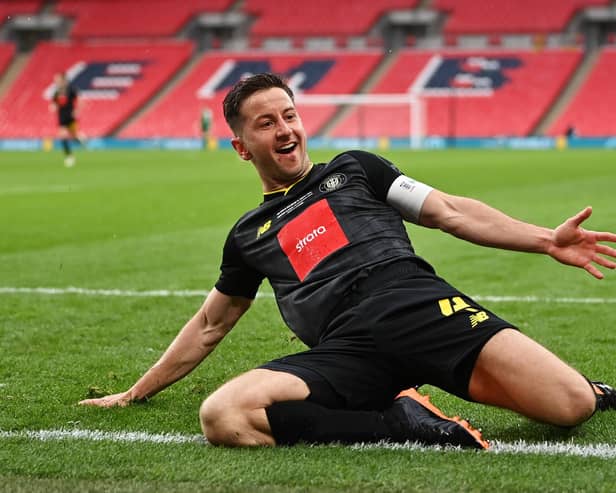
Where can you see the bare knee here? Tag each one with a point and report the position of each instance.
(217, 422)
(577, 405)
(210, 417)
(226, 424)
(234, 415)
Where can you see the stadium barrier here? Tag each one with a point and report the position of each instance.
(191, 143)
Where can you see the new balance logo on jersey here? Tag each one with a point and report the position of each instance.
(264, 229)
(321, 230)
(311, 237)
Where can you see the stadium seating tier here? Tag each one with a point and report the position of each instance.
(114, 81)
(506, 16)
(133, 18)
(467, 94)
(518, 94)
(591, 112)
(319, 17)
(177, 115)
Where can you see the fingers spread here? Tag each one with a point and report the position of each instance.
(598, 259)
(606, 250)
(605, 236)
(593, 271)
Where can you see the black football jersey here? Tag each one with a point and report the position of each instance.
(66, 102)
(313, 241)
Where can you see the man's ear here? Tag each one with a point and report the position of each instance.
(241, 150)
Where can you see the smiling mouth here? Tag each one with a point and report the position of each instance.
(287, 149)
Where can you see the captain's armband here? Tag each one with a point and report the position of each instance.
(407, 196)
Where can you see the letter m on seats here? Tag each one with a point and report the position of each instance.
(302, 77)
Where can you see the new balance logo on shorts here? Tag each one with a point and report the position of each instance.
(449, 306)
(311, 237)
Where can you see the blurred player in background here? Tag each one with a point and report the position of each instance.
(206, 126)
(65, 102)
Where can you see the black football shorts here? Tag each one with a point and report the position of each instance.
(401, 326)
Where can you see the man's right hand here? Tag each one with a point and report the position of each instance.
(122, 399)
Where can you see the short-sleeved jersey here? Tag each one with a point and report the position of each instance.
(65, 101)
(313, 241)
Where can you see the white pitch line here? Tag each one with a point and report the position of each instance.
(186, 293)
(601, 450)
(102, 436)
(20, 190)
(125, 293)
(544, 299)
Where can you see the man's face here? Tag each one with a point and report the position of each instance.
(272, 136)
(60, 80)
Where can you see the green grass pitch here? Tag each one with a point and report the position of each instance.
(137, 222)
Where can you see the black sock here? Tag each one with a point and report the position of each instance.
(304, 421)
(66, 146)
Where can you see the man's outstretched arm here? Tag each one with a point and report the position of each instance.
(479, 223)
(195, 341)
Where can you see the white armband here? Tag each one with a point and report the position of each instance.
(407, 197)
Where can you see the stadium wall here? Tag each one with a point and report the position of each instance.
(433, 143)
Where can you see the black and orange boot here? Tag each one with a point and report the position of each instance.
(606, 396)
(422, 421)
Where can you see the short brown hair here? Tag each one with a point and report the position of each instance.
(245, 88)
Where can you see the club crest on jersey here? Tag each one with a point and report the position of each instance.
(332, 182)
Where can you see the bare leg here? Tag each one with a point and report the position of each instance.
(235, 414)
(264, 407)
(517, 373)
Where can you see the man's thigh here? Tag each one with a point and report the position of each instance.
(259, 388)
(339, 375)
(515, 372)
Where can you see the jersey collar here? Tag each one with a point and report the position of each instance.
(274, 194)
